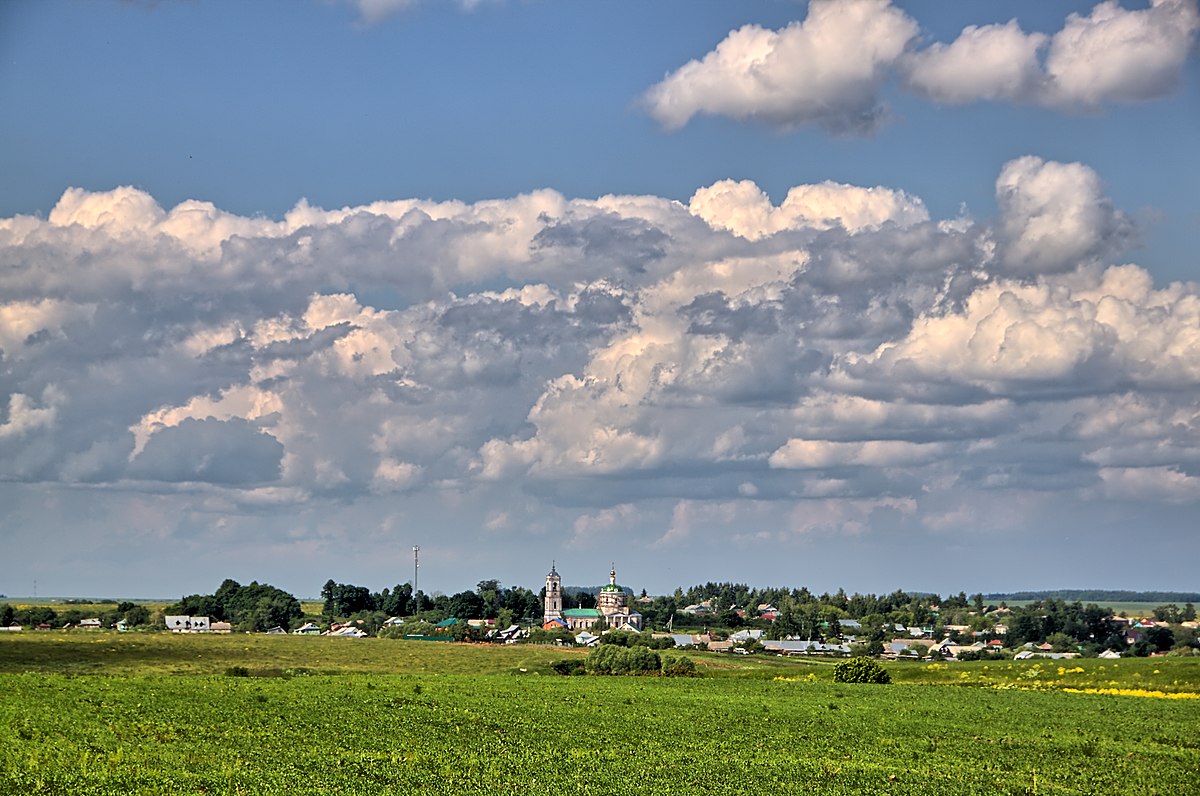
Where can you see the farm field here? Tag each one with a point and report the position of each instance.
(160, 716)
(1116, 606)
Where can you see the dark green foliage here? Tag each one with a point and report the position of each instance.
(137, 616)
(678, 666)
(1037, 621)
(344, 599)
(467, 605)
(861, 670)
(237, 671)
(258, 606)
(569, 666)
(617, 660)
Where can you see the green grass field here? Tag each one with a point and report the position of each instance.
(156, 714)
(1137, 609)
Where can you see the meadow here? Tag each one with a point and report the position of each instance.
(157, 714)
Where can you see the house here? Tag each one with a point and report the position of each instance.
(308, 629)
(749, 634)
(586, 639)
(899, 648)
(221, 627)
(187, 624)
(691, 640)
(345, 631)
(1109, 654)
(509, 635)
(276, 631)
(798, 647)
(1025, 655)
(89, 624)
(392, 621)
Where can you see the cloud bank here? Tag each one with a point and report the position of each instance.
(825, 363)
(829, 69)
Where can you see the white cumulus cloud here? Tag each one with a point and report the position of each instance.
(830, 68)
(826, 70)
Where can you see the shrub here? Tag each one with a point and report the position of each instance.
(678, 666)
(860, 670)
(612, 659)
(568, 666)
(237, 671)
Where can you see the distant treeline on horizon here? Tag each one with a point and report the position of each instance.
(1100, 595)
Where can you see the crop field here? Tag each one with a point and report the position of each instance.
(159, 714)
(1127, 607)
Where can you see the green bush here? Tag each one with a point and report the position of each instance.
(860, 670)
(568, 666)
(613, 659)
(678, 666)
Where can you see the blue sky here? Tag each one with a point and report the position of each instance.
(762, 291)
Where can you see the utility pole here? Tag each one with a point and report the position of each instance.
(416, 566)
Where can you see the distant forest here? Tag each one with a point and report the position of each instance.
(1100, 595)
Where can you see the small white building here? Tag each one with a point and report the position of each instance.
(187, 624)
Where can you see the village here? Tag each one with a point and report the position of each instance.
(897, 626)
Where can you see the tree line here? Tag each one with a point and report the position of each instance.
(132, 614)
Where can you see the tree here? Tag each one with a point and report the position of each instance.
(1161, 638)
(466, 605)
(258, 606)
(329, 594)
(1061, 642)
(1168, 613)
(504, 618)
(397, 602)
(489, 592)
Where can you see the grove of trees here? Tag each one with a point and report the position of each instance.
(258, 606)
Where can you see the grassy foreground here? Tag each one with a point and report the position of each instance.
(410, 717)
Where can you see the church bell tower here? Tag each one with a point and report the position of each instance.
(553, 595)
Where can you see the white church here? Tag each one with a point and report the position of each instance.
(612, 607)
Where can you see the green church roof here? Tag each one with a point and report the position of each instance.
(582, 613)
